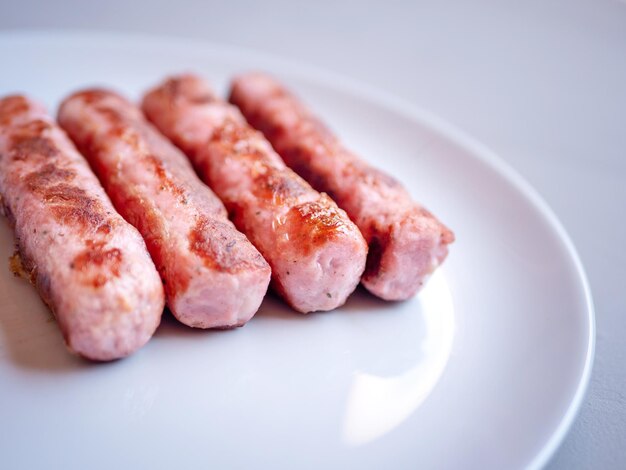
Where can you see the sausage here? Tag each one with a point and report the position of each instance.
(406, 242)
(316, 253)
(88, 264)
(213, 276)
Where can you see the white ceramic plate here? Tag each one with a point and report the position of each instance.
(486, 368)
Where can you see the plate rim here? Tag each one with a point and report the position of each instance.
(380, 97)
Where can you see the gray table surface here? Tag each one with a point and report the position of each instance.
(543, 83)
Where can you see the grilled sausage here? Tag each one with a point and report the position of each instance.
(317, 254)
(89, 265)
(213, 276)
(406, 242)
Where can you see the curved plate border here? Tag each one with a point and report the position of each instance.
(384, 99)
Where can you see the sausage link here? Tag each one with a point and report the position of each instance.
(406, 242)
(88, 264)
(317, 254)
(213, 276)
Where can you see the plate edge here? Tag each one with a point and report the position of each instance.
(386, 99)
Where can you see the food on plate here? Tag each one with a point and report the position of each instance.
(88, 264)
(406, 242)
(317, 254)
(213, 276)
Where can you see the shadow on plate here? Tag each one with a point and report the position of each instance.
(171, 327)
(32, 339)
(360, 302)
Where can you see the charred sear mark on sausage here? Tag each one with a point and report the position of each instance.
(278, 186)
(39, 180)
(62, 193)
(271, 184)
(218, 246)
(165, 178)
(29, 142)
(312, 224)
(67, 202)
(95, 254)
(11, 107)
(82, 211)
(33, 147)
(29, 130)
(98, 263)
(206, 242)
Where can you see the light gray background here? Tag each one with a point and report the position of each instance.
(543, 83)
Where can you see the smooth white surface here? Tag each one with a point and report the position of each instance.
(496, 349)
(540, 82)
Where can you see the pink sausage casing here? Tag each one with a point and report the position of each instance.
(213, 276)
(89, 265)
(406, 242)
(317, 254)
